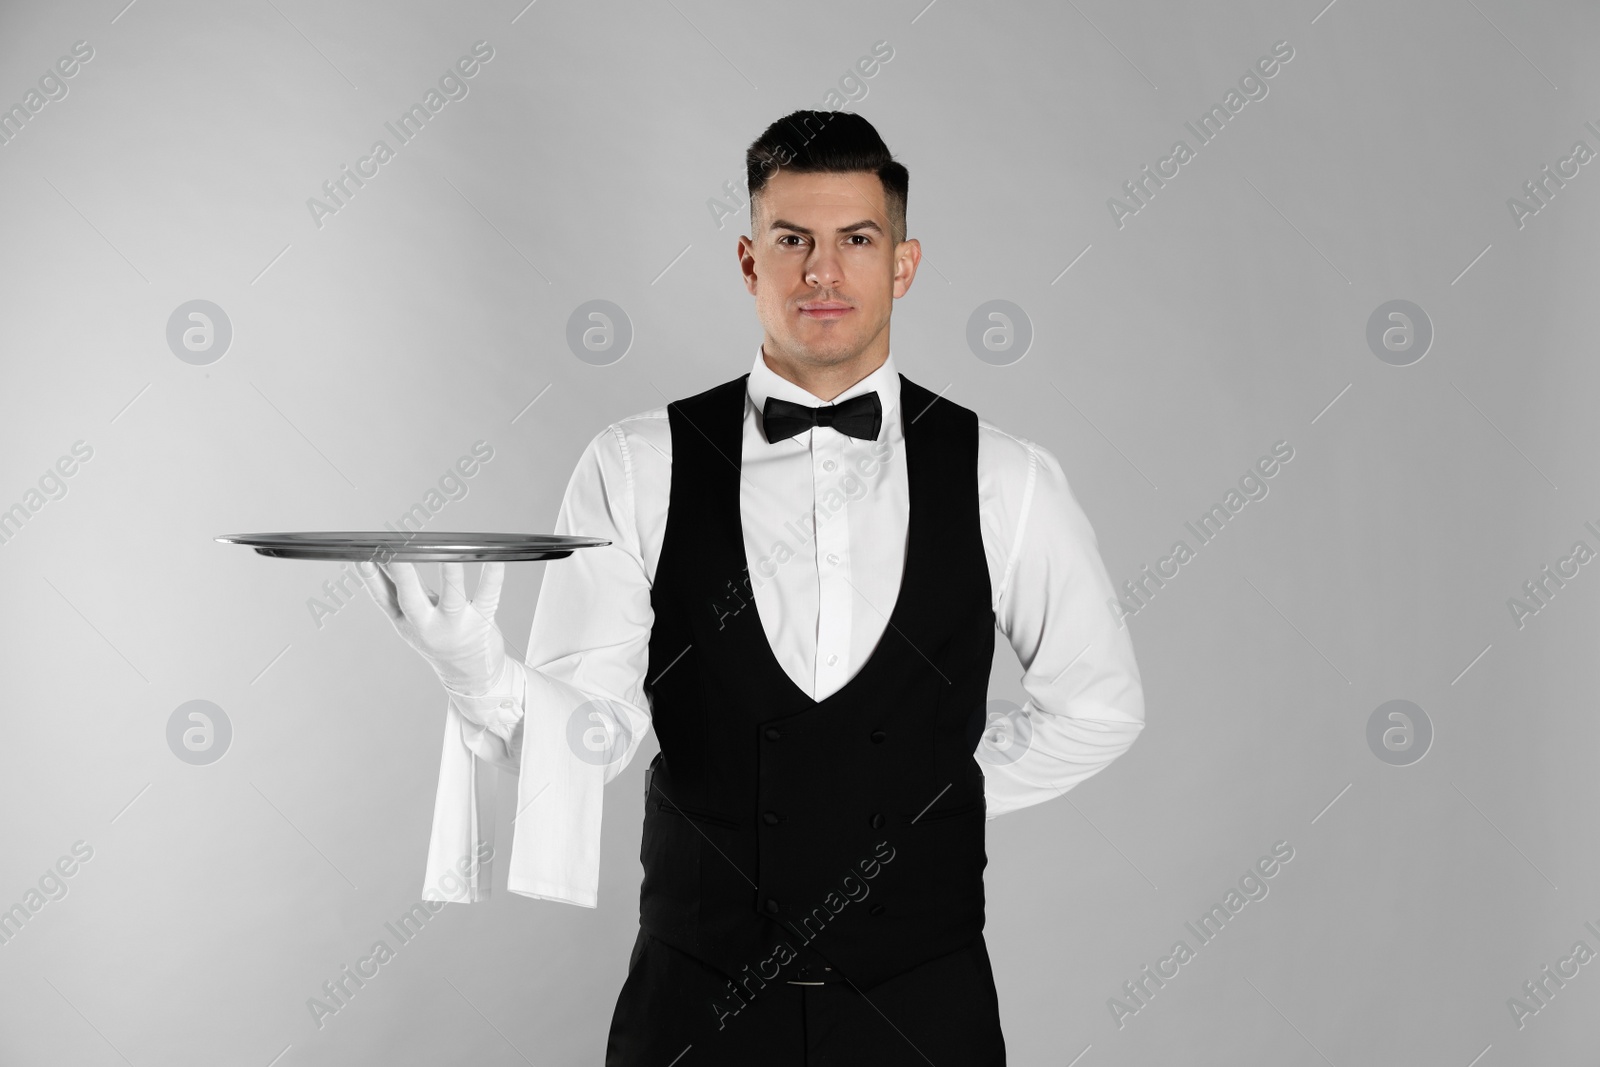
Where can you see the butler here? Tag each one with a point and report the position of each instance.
(813, 843)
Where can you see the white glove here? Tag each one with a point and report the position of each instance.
(457, 637)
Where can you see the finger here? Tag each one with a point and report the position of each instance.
(413, 598)
(490, 581)
(453, 587)
(380, 588)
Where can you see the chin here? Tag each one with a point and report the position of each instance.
(830, 352)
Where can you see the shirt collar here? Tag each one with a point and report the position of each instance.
(765, 382)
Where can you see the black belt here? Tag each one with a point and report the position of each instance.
(813, 974)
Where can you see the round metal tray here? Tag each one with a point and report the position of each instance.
(386, 546)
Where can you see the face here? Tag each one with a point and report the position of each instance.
(824, 268)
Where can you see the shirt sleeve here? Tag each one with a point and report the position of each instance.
(571, 717)
(1085, 704)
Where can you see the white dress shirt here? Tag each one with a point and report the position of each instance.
(825, 520)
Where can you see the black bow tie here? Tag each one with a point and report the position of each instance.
(860, 416)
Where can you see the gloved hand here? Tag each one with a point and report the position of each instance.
(457, 637)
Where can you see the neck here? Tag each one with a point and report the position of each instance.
(823, 380)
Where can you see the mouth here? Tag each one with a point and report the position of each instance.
(825, 309)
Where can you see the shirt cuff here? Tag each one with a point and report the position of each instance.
(502, 705)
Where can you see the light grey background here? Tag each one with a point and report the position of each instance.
(369, 353)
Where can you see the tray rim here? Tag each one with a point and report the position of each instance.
(302, 537)
(421, 547)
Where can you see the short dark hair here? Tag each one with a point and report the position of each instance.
(833, 142)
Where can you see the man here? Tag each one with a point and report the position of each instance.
(808, 565)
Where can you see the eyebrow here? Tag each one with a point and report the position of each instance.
(864, 224)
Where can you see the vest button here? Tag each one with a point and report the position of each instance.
(877, 821)
(772, 734)
(772, 906)
(770, 818)
(878, 736)
(877, 909)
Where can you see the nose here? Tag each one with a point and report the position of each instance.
(822, 271)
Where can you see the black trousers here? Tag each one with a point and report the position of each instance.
(944, 1012)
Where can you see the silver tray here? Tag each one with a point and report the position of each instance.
(386, 546)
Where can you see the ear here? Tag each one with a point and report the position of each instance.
(746, 251)
(907, 255)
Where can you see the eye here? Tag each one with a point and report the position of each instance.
(863, 237)
(786, 236)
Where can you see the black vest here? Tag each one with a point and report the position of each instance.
(852, 828)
